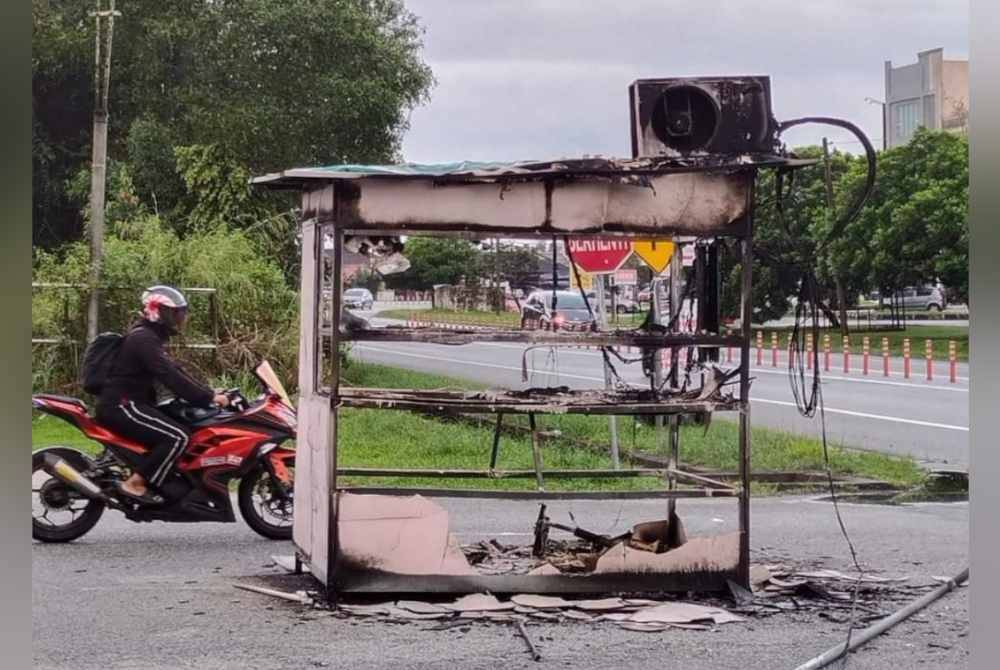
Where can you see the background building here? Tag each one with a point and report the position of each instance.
(933, 93)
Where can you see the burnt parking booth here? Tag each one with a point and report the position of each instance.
(699, 146)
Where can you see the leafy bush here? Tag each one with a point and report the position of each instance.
(257, 310)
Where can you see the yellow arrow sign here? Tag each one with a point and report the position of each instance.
(655, 253)
(586, 279)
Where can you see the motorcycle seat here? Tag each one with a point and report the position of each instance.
(199, 414)
(185, 413)
(62, 398)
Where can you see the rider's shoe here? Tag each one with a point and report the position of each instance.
(147, 498)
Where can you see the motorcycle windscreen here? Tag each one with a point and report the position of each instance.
(311, 526)
(266, 374)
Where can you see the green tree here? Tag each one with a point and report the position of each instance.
(513, 263)
(62, 106)
(788, 242)
(915, 227)
(438, 260)
(267, 84)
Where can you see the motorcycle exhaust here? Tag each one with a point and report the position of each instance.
(66, 473)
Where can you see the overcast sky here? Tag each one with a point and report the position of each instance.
(535, 79)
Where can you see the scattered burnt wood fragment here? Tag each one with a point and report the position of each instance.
(537, 401)
(543, 524)
(532, 649)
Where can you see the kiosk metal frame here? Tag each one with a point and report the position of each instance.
(337, 529)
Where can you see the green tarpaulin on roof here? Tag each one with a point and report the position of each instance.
(428, 169)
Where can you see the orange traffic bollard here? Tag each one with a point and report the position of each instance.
(847, 354)
(865, 344)
(826, 353)
(952, 362)
(774, 350)
(760, 348)
(929, 354)
(906, 357)
(885, 356)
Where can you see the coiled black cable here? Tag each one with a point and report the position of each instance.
(807, 308)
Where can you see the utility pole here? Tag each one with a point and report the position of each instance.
(676, 299)
(501, 299)
(885, 125)
(828, 175)
(602, 314)
(98, 175)
(839, 283)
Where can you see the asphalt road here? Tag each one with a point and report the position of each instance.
(926, 420)
(160, 596)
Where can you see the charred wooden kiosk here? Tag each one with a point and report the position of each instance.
(366, 540)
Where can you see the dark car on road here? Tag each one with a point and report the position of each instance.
(358, 298)
(570, 313)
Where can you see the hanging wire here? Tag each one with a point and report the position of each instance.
(807, 400)
(555, 277)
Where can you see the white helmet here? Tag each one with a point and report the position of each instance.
(165, 305)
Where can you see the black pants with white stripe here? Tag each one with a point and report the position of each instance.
(141, 423)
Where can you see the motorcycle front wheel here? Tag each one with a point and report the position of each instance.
(58, 512)
(263, 507)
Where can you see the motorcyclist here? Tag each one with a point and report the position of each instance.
(127, 403)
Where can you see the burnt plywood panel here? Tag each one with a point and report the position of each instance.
(302, 519)
(402, 544)
(687, 203)
(678, 204)
(310, 524)
(416, 203)
(716, 553)
(311, 530)
(402, 535)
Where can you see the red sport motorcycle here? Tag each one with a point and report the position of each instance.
(245, 442)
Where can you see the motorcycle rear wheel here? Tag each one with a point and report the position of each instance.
(51, 496)
(262, 508)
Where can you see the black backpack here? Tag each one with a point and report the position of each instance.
(98, 360)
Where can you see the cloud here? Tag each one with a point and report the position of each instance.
(542, 78)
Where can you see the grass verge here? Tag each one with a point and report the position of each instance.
(386, 438)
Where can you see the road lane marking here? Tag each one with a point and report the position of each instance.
(830, 410)
(463, 361)
(956, 389)
(866, 415)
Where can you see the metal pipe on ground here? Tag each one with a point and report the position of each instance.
(865, 635)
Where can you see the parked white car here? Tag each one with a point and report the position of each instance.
(358, 298)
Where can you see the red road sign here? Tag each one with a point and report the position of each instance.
(600, 255)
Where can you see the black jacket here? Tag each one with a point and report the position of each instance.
(141, 361)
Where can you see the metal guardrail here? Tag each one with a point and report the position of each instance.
(212, 307)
